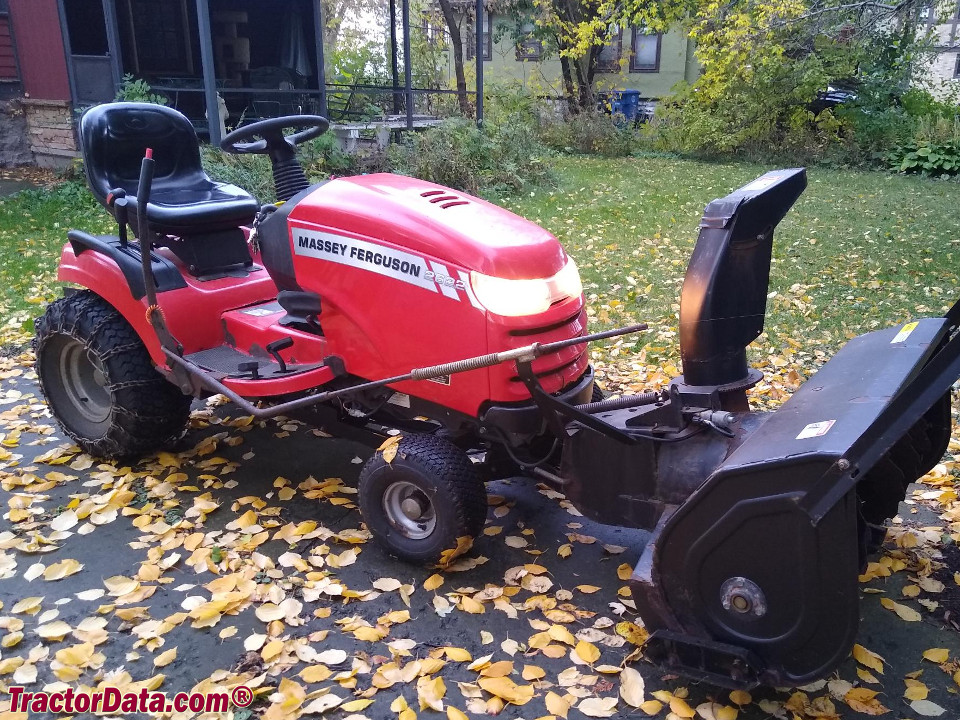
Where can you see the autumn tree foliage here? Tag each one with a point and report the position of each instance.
(765, 64)
(577, 30)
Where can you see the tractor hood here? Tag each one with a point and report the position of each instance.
(426, 218)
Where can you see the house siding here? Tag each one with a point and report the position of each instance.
(8, 59)
(676, 64)
(46, 106)
(43, 64)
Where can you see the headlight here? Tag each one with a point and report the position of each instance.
(516, 298)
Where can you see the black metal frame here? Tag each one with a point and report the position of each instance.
(208, 72)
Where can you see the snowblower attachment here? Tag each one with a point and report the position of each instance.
(761, 522)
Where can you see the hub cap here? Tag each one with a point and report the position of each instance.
(409, 510)
(84, 382)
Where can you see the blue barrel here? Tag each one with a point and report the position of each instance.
(629, 102)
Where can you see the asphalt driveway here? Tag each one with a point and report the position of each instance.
(241, 559)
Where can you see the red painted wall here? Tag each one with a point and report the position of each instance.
(8, 62)
(43, 64)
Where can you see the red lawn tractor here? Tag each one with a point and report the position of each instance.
(379, 303)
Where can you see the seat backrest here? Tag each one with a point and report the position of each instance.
(114, 138)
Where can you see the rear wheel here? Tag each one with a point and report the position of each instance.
(422, 501)
(100, 383)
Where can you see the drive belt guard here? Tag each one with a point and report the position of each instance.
(754, 578)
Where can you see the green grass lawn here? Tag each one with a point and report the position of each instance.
(33, 229)
(857, 252)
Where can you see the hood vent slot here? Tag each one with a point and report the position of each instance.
(443, 198)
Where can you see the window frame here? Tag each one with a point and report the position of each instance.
(529, 49)
(634, 66)
(487, 44)
(613, 67)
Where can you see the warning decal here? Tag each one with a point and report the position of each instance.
(904, 332)
(817, 429)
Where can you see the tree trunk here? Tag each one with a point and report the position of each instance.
(568, 90)
(456, 44)
(584, 86)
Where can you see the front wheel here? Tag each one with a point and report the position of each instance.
(100, 383)
(424, 500)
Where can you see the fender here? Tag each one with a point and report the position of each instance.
(194, 330)
(97, 272)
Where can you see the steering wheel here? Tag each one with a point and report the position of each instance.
(272, 142)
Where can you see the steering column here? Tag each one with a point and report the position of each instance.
(266, 138)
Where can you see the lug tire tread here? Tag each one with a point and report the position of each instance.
(147, 412)
(449, 469)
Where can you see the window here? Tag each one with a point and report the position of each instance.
(433, 31)
(644, 51)
(487, 40)
(609, 59)
(956, 68)
(942, 21)
(528, 48)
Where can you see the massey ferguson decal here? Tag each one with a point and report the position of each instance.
(396, 264)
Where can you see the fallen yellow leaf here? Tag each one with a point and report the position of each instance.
(388, 449)
(506, 689)
(904, 611)
(433, 582)
(165, 658)
(588, 652)
(868, 658)
(936, 655)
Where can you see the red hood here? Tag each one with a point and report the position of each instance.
(428, 218)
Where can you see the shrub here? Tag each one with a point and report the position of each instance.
(937, 159)
(589, 133)
(320, 158)
(134, 90)
(495, 159)
(875, 130)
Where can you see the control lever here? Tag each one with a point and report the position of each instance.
(117, 199)
(276, 346)
(252, 367)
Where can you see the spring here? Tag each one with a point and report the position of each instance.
(288, 179)
(621, 403)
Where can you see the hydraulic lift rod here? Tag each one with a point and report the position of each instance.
(528, 352)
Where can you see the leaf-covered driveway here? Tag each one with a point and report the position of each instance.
(242, 559)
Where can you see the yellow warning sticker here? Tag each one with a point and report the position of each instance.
(904, 332)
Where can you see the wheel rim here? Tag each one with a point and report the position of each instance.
(84, 382)
(409, 510)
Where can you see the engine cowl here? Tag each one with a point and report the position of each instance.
(425, 218)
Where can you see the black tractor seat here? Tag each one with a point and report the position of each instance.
(205, 207)
(184, 200)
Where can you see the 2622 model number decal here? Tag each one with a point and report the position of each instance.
(445, 280)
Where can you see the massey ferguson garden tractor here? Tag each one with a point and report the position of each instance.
(380, 303)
